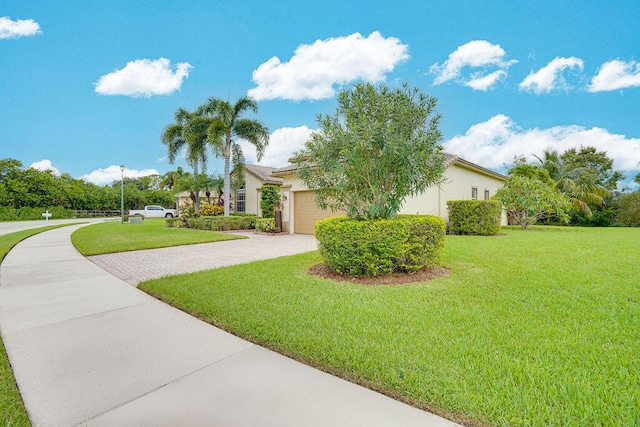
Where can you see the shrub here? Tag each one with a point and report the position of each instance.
(173, 222)
(629, 210)
(480, 217)
(403, 243)
(211, 210)
(267, 225)
(244, 214)
(29, 214)
(223, 223)
(268, 197)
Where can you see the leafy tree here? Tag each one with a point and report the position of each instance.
(584, 181)
(269, 196)
(226, 127)
(629, 210)
(379, 147)
(527, 200)
(189, 132)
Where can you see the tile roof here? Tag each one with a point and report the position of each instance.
(263, 173)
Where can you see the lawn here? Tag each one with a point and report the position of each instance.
(110, 237)
(530, 328)
(12, 411)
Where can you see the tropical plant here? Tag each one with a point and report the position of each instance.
(379, 147)
(582, 182)
(189, 132)
(224, 130)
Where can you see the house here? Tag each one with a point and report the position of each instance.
(246, 199)
(463, 180)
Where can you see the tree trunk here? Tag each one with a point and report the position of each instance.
(195, 174)
(227, 178)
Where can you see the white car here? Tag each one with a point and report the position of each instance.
(155, 212)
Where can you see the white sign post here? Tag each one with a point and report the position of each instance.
(46, 216)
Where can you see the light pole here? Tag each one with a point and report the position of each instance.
(122, 195)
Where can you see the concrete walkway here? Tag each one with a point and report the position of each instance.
(89, 349)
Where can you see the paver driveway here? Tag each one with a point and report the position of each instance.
(135, 266)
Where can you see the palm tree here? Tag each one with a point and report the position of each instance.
(189, 132)
(578, 184)
(228, 125)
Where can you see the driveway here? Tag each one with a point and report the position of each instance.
(137, 266)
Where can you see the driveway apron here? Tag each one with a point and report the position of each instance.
(89, 349)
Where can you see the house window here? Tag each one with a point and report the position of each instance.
(240, 200)
(486, 195)
(474, 193)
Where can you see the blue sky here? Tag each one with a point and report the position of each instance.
(87, 86)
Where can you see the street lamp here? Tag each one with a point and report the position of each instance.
(122, 195)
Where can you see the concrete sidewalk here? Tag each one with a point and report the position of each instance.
(89, 349)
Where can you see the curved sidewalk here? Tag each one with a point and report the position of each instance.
(89, 349)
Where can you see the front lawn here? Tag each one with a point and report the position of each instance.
(531, 328)
(110, 237)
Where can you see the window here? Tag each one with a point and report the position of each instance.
(240, 200)
(486, 195)
(474, 193)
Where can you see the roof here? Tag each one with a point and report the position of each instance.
(263, 173)
(450, 159)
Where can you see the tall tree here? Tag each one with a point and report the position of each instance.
(584, 182)
(380, 146)
(189, 132)
(226, 128)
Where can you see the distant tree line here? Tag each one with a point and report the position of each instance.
(576, 187)
(29, 188)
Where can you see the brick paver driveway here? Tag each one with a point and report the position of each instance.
(136, 266)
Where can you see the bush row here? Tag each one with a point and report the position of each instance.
(29, 214)
(369, 248)
(480, 217)
(215, 223)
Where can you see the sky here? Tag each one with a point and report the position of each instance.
(87, 86)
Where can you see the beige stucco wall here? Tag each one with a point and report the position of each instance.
(457, 185)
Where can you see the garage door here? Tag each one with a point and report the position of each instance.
(306, 213)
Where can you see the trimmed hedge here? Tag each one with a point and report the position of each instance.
(223, 223)
(479, 217)
(267, 225)
(29, 214)
(403, 243)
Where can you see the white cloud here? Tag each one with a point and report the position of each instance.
(615, 75)
(20, 28)
(484, 83)
(44, 165)
(549, 77)
(314, 69)
(475, 54)
(283, 143)
(113, 173)
(144, 77)
(495, 142)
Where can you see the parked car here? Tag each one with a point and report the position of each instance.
(155, 212)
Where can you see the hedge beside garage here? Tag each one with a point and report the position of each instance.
(479, 217)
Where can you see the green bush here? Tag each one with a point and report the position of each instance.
(29, 214)
(629, 210)
(223, 223)
(266, 225)
(480, 217)
(173, 222)
(244, 214)
(403, 243)
(211, 210)
(269, 195)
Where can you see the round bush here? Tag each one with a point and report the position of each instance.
(404, 243)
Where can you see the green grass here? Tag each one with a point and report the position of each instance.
(110, 237)
(12, 411)
(531, 328)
